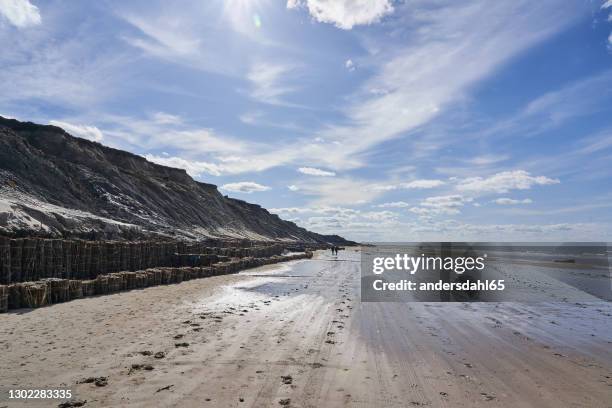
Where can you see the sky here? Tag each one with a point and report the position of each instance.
(378, 120)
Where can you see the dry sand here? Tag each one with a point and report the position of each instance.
(297, 335)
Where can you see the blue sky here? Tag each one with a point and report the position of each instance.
(376, 120)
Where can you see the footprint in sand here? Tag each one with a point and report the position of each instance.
(487, 397)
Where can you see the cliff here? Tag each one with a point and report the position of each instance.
(54, 184)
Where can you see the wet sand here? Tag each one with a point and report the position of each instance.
(296, 335)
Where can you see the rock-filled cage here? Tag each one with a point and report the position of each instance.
(35, 272)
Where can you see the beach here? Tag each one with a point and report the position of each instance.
(296, 334)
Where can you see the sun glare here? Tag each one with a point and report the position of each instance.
(244, 14)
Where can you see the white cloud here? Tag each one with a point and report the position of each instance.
(291, 4)
(164, 118)
(608, 5)
(20, 13)
(349, 191)
(488, 159)
(311, 171)
(395, 204)
(251, 118)
(441, 205)
(386, 226)
(218, 166)
(452, 201)
(334, 191)
(415, 184)
(503, 182)
(422, 184)
(333, 219)
(510, 201)
(193, 168)
(247, 187)
(350, 65)
(293, 187)
(319, 210)
(345, 14)
(82, 131)
(379, 215)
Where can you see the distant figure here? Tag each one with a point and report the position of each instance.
(332, 249)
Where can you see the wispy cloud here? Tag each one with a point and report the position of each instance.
(82, 131)
(486, 160)
(453, 47)
(510, 201)
(595, 143)
(197, 149)
(269, 82)
(190, 35)
(164, 118)
(193, 168)
(312, 171)
(554, 108)
(69, 73)
(162, 130)
(422, 184)
(338, 191)
(163, 38)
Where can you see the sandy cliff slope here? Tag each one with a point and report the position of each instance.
(52, 183)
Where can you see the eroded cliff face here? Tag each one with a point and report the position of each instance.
(55, 184)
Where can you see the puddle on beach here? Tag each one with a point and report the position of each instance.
(266, 283)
